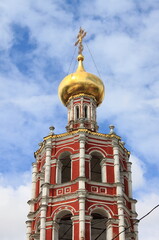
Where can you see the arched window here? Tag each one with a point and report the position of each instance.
(95, 167)
(98, 226)
(85, 111)
(65, 230)
(64, 168)
(62, 228)
(77, 112)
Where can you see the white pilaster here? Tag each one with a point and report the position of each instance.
(103, 170)
(43, 222)
(81, 108)
(58, 171)
(34, 174)
(28, 223)
(82, 217)
(121, 220)
(82, 186)
(109, 231)
(82, 155)
(71, 111)
(117, 167)
(48, 148)
(129, 179)
(136, 230)
(116, 162)
(89, 113)
(55, 230)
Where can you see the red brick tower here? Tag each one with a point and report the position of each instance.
(81, 179)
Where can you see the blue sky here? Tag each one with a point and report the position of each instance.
(36, 47)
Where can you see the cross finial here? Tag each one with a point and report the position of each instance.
(80, 37)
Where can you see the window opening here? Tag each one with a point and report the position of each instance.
(85, 111)
(77, 112)
(96, 168)
(98, 227)
(65, 227)
(65, 169)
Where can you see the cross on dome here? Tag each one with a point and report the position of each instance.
(80, 37)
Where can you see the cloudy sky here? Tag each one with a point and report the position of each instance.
(36, 49)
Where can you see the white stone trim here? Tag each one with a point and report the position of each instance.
(129, 179)
(34, 175)
(48, 148)
(55, 230)
(28, 233)
(42, 222)
(103, 170)
(82, 218)
(82, 155)
(121, 220)
(58, 172)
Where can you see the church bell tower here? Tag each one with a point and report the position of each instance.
(81, 179)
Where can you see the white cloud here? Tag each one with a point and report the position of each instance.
(148, 227)
(138, 170)
(111, 7)
(13, 208)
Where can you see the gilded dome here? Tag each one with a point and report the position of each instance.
(81, 82)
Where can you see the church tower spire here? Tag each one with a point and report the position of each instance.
(81, 92)
(81, 179)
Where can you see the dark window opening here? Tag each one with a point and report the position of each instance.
(98, 227)
(66, 167)
(65, 230)
(96, 168)
(85, 111)
(77, 112)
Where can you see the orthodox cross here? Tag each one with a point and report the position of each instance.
(80, 37)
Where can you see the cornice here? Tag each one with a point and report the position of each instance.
(72, 133)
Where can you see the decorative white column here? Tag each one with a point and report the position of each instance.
(34, 174)
(134, 217)
(82, 216)
(43, 222)
(129, 179)
(82, 192)
(82, 155)
(121, 220)
(103, 170)
(58, 171)
(136, 230)
(116, 163)
(74, 113)
(71, 110)
(55, 230)
(120, 203)
(109, 230)
(89, 113)
(81, 108)
(28, 223)
(45, 187)
(68, 117)
(48, 148)
(33, 192)
(117, 166)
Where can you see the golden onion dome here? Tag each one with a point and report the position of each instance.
(81, 82)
